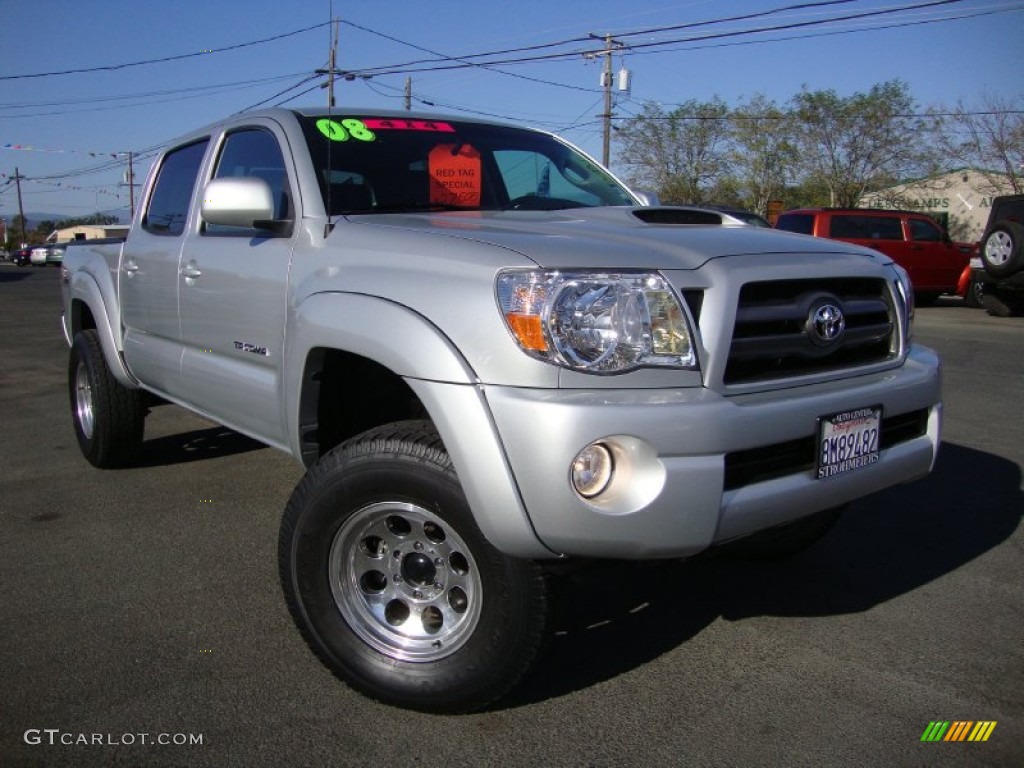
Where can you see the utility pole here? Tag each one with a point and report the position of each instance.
(610, 46)
(131, 187)
(21, 210)
(408, 94)
(331, 68)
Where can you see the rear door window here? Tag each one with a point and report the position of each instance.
(167, 211)
(857, 227)
(924, 231)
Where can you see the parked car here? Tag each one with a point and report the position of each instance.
(38, 255)
(913, 240)
(22, 257)
(1000, 262)
(55, 253)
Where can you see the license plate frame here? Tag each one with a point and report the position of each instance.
(848, 441)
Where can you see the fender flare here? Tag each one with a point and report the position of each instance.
(84, 289)
(412, 347)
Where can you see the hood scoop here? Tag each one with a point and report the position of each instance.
(677, 216)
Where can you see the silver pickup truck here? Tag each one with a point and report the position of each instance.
(490, 356)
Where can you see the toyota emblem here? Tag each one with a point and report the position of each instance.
(826, 324)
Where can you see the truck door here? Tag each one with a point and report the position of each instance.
(233, 290)
(148, 279)
(938, 262)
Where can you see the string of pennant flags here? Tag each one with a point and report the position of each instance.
(90, 153)
(74, 187)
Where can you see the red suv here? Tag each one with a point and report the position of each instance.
(913, 240)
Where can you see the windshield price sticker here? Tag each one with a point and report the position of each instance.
(347, 128)
(396, 124)
(848, 441)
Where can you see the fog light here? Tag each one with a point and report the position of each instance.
(592, 470)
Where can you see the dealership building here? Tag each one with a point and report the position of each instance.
(960, 199)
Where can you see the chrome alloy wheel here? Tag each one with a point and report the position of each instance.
(83, 401)
(405, 582)
(998, 248)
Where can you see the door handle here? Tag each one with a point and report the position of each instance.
(131, 267)
(191, 271)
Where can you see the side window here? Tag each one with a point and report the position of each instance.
(1010, 209)
(866, 227)
(924, 231)
(172, 192)
(801, 223)
(254, 153)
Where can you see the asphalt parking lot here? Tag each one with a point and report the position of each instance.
(142, 622)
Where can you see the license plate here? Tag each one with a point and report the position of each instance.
(848, 441)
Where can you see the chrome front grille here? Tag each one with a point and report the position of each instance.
(783, 326)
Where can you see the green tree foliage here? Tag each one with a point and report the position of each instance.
(679, 154)
(764, 154)
(818, 149)
(989, 137)
(852, 143)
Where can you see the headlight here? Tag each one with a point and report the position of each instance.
(597, 322)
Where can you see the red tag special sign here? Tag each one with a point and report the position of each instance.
(455, 175)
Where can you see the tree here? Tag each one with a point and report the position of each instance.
(764, 155)
(865, 140)
(989, 139)
(679, 154)
(45, 227)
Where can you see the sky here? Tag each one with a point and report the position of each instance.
(160, 69)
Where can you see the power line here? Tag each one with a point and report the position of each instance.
(216, 87)
(685, 44)
(452, 64)
(178, 57)
(466, 59)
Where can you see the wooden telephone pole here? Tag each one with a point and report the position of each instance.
(21, 210)
(607, 79)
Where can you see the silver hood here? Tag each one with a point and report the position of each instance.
(610, 238)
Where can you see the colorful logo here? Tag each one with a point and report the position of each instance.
(958, 730)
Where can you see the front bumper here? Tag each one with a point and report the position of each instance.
(672, 495)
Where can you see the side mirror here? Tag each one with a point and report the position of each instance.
(238, 202)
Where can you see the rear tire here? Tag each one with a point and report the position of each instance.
(1000, 306)
(393, 586)
(109, 418)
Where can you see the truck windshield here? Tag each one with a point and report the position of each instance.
(369, 164)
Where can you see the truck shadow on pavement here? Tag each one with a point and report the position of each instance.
(612, 618)
(7, 276)
(196, 445)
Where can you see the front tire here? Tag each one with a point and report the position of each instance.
(393, 586)
(109, 418)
